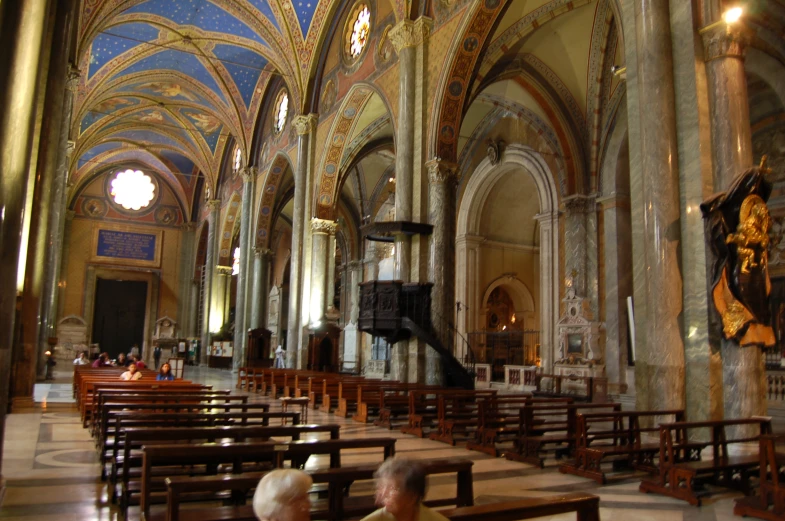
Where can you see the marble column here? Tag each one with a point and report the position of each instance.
(618, 286)
(352, 360)
(550, 287)
(441, 264)
(241, 306)
(21, 36)
(580, 241)
(193, 310)
(330, 299)
(305, 126)
(69, 220)
(185, 270)
(321, 231)
(467, 269)
(261, 287)
(660, 360)
(57, 212)
(744, 371)
(209, 267)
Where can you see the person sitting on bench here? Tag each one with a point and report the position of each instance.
(400, 490)
(131, 374)
(165, 373)
(282, 495)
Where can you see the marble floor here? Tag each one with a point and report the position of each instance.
(53, 474)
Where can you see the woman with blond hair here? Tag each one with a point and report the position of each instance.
(282, 495)
(400, 490)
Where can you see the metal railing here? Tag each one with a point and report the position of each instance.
(460, 347)
(500, 348)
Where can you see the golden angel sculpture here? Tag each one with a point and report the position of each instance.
(737, 224)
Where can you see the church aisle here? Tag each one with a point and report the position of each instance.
(53, 474)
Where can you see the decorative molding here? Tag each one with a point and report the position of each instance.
(188, 227)
(410, 34)
(224, 270)
(248, 173)
(580, 203)
(354, 265)
(305, 124)
(725, 41)
(494, 151)
(214, 204)
(263, 253)
(74, 74)
(440, 171)
(323, 226)
(70, 146)
(69, 215)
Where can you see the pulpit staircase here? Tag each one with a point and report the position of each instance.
(398, 311)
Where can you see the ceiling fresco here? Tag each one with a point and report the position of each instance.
(180, 80)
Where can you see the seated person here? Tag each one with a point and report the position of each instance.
(122, 360)
(102, 361)
(400, 489)
(282, 495)
(165, 373)
(82, 359)
(131, 374)
(138, 361)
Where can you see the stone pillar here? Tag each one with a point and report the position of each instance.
(261, 287)
(241, 307)
(209, 267)
(331, 311)
(580, 240)
(467, 269)
(193, 310)
(21, 36)
(305, 126)
(660, 357)
(321, 231)
(185, 270)
(441, 264)
(744, 371)
(69, 220)
(618, 286)
(352, 359)
(550, 287)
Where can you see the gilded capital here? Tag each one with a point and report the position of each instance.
(323, 226)
(72, 82)
(248, 173)
(70, 146)
(263, 253)
(224, 270)
(214, 204)
(305, 124)
(725, 41)
(409, 33)
(188, 227)
(440, 171)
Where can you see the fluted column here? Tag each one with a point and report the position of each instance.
(261, 287)
(241, 307)
(744, 372)
(441, 263)
(659, 366)
(209, 266)
(321, 230)
(21, 36)
(305, 126)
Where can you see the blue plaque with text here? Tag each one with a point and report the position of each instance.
(126, 245)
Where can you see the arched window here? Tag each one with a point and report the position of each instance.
(236, 262)
(237, 159)
(281, 111)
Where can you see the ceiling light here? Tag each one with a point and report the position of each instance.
(732, 15)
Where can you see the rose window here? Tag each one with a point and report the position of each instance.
(360, 32)
(133, 189)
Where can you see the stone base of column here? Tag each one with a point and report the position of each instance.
(744, 377)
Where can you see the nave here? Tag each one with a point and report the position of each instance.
(53, 468)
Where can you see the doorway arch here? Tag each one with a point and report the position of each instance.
(468, 238)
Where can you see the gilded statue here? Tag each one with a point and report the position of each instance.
(737, 224)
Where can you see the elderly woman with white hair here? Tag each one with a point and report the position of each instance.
(282, 495)
(400, 490)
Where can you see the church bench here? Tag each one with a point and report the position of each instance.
(127, 467)
(326, 391)
(237, 456)
(618, 438)
(457, 415)
(274, 379)
(769, 502)
(682, 472)
(585, 506)
(340, 504)
(582, 388)
(374, 396)
(422, 414)
(157, 396)
(499, 420)
(296, 383)
(546, 427)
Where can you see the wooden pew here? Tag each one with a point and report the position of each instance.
(339, 505)
(682, 473)
(458, 414)
(617, 438)
(585, 506)
(769, 502)
(235, 455)
(127, 467)
(547, 427)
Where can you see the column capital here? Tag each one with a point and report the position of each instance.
(72, 81)
(70, 146)
(69, 215)
(354, 265)
(224, 270)
(441, 171)
(580, 203)
(248, 173)
(725, 41)
(323, 226)
(408, 33)
(305, 124)
(188, 227)
(214, 204)
(263, 253)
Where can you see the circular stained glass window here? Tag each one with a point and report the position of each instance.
(132, 189)
(281, 111)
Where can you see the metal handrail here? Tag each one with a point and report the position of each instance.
(469, 360)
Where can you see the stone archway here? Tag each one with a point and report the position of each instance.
(522, 298)
(478, 188)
